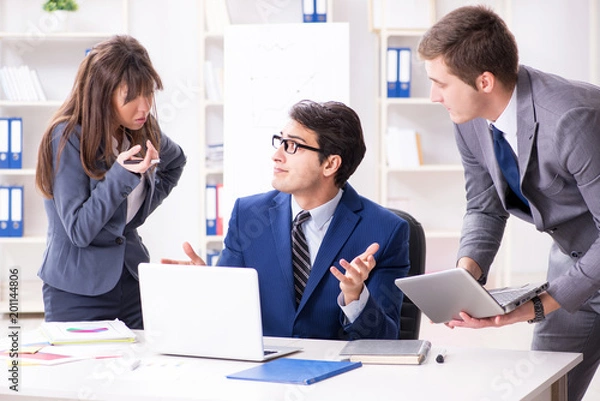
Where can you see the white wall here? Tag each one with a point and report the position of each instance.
(556, 40)
(170, 33)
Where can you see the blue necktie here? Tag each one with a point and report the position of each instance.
(507, 162)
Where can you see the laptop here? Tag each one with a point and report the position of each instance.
(442, 295)
(204, 311)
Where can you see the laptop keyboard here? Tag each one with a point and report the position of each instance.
(507, 295)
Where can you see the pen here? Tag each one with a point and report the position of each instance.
(441, 357)
(136, 161)
(134, 364)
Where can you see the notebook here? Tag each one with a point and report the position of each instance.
(442, 295)
(204, 311)
(295, 371)
(387, 352)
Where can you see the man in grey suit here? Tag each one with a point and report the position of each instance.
(553, 128)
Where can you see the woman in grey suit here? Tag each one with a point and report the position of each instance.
(101, 176)
(548, 128)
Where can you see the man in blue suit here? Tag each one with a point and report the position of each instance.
(317, 151)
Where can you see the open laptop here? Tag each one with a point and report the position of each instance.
(204, 311)
(442, 295)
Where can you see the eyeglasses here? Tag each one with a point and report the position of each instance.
(289, 145)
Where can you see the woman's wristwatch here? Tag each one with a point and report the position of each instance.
(538, 309)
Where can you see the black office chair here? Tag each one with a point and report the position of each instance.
(410, 315)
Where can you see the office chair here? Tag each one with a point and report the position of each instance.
(410, 315)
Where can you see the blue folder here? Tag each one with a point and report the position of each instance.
(295, 371)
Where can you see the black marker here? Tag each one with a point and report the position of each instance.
(441, 356)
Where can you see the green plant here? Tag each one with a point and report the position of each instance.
(55, 5)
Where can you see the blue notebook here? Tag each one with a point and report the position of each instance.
(295, 371)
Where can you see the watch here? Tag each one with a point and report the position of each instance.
(538, 309)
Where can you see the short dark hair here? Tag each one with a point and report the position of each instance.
(339, 132)
(472, 40)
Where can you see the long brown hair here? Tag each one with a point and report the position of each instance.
(118, 60)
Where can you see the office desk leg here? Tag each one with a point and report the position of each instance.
(559, 389)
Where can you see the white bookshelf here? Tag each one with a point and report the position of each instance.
(55, 56)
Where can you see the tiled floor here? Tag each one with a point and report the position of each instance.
(517, 336)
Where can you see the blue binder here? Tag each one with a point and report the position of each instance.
(210, 205)
(392, 72)
(398, 71)
(320, 11)
(295, 371)
(314, 10)
(4, 211)
(308, 10)
(212, 256)
(4, 142)
(404, 72)
(15, 227)
(16, 143)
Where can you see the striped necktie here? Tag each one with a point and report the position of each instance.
(300, 255)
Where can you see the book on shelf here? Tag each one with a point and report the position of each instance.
(21, 84)
(87, 332)
(387, 352)
(295, 371)
(403, 148)
(214, 155)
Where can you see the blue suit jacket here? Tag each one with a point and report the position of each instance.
(259, 237)
(88, 241)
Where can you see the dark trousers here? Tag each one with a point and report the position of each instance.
(122, 302)
(571, 332)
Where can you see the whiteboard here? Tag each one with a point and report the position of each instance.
(268, 68)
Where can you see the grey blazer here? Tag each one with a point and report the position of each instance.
(88, 240)
(558, 131)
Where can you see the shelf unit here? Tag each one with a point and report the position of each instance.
(433, 191)
(211, 125)
(34, 42)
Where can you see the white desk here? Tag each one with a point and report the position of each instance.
(479, 374)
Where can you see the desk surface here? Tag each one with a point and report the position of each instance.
(468, 374)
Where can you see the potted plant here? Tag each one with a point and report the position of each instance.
(59, 11)
(58, 5)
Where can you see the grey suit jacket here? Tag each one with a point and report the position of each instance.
(558, 131)
(88, 240)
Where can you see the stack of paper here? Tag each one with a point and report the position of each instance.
(87, 332)
(403, 148)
